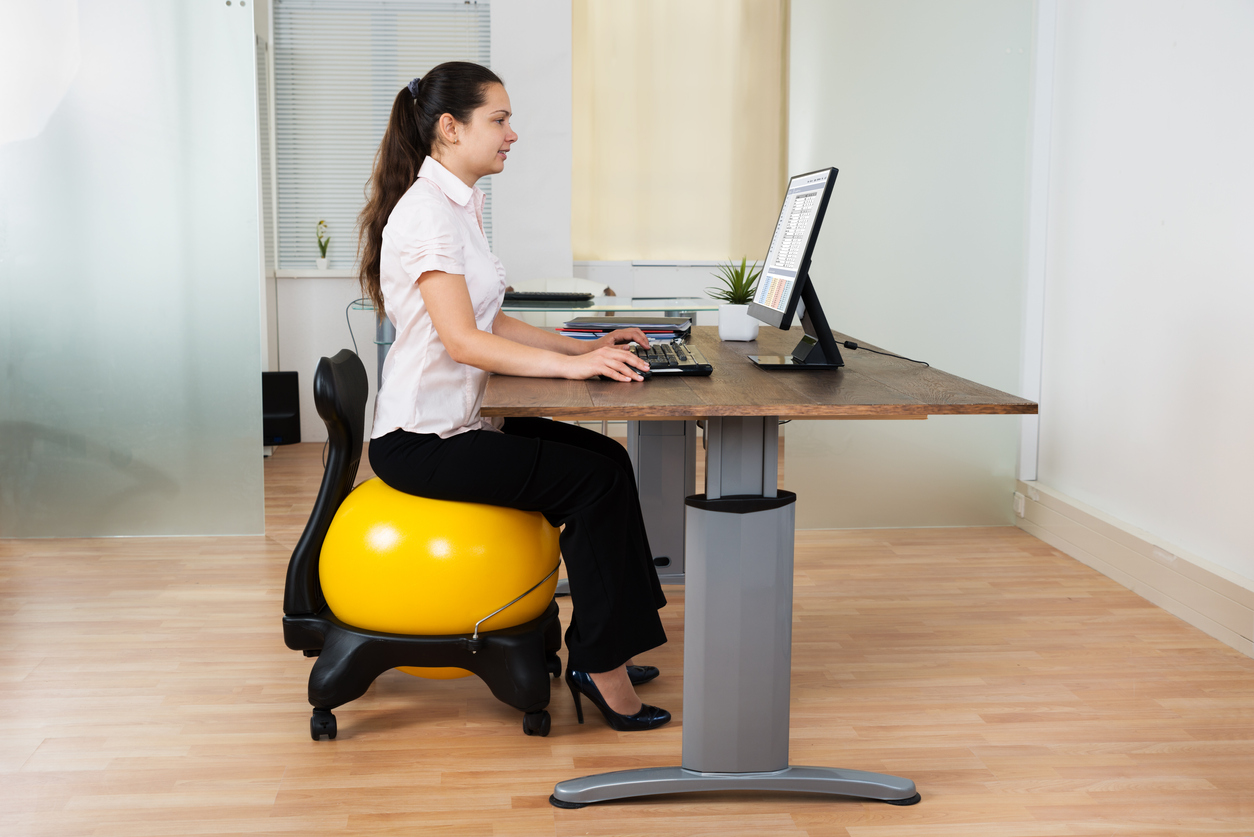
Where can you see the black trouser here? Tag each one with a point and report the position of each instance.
(575, 477)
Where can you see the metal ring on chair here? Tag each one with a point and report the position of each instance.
(514, 602)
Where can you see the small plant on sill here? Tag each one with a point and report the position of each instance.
(323, 238)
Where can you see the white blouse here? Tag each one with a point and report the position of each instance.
(436, 225)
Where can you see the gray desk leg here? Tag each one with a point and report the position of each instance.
(737, 642)
(664, 455)
(384, 336)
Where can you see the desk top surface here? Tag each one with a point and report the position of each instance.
(869, 386)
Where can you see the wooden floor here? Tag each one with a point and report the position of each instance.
(148, 692)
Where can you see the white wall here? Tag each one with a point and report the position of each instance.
(1147, 379)
(311, 315)
(924, 109)
(531, 52)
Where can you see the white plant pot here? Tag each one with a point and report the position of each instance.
(734, 323)
(322, 264)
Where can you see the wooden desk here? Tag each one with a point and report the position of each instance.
(870, 386)
(738, 544)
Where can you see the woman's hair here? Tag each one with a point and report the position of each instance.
(456, 88)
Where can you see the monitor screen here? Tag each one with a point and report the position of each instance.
(791, 247)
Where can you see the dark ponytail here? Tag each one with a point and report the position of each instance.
(456, 88)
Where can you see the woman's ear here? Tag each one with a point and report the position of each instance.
(449, 129)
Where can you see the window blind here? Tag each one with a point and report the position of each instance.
(338, 65)
(675, 102)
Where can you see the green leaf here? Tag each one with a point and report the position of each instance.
(739, 282)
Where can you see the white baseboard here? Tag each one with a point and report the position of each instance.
(1210, 598)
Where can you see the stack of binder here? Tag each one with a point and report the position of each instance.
(661, 329)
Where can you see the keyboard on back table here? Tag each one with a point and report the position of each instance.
(546, 296)
(673, 359)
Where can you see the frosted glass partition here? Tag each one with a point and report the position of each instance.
(924, 109)
(130, 349)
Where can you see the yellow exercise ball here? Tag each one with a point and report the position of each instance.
(402, 564)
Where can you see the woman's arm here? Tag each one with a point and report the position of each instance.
(448, 302)
(514, 329)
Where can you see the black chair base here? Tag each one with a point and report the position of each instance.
(515, 662)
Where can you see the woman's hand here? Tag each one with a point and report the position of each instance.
(610, 361)
(515, 348)
(618, 337)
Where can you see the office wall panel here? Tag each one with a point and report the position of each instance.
(1147, 392)
(130, 397)
(923, 106)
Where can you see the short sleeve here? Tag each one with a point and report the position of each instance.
(430, 240)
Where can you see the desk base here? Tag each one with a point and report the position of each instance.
(738, 565)
(652, 781)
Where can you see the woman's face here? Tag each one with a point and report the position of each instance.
(482, 143)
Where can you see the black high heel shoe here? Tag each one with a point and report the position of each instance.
(649, 717)
(641, 674)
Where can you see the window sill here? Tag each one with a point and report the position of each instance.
(313, 273)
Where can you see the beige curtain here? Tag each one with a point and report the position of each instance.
(680, 127)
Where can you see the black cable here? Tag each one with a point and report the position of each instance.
(849, 344)
(350, 322)
(352, 337)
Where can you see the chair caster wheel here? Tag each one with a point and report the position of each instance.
(554, 665)
(322, 723)
(537, 723)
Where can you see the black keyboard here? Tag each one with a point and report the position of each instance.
(673, 359)
(546, 296)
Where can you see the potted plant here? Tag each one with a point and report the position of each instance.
(323, 241)
(739, 282)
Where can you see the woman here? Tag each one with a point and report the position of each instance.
(426, 263)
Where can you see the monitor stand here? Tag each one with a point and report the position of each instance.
(817, 349)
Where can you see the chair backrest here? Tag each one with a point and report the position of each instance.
(340, 391)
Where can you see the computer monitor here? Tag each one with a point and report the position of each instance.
(785, 290)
